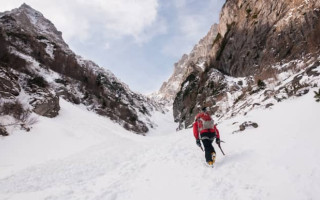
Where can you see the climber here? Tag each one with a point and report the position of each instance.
(206, 131)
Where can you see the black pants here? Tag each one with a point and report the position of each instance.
(207, 139)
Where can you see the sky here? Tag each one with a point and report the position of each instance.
(138, 40)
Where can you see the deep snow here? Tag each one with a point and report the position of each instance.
(80, 155)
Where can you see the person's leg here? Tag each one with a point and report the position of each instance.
(207, 139)
(213, 154)
(208, 148)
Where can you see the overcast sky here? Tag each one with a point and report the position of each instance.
(138, 40)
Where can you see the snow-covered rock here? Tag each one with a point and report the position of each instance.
(32, 47)
(271, 42)
(9, 87)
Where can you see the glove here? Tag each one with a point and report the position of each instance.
(218, 140)
(198, 142)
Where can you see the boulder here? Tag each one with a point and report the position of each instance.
(269, 105)
(244, 125)
(65, 94)
(48, 106)
(3, 131)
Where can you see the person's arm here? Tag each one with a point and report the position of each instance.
(196, 134)
(195, 130)
(217, 135)
(217, 132)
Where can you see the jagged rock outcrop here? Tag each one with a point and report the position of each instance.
(269, 41)
(195, 61)
(9, 87)
(45, 68)
(189, 100)
(47, 105)
(256, 34)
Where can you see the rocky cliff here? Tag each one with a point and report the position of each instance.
(255, 34)
(196, 60)
(264, 52)
(37, 68)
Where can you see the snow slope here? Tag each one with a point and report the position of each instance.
(80, 155)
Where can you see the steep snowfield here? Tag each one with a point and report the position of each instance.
(80, 155)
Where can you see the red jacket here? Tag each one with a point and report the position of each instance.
(196, 125)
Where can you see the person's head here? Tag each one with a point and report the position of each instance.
(205, 109)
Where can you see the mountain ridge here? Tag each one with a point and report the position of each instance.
(33, 51)
(257, 41)
(194, 61)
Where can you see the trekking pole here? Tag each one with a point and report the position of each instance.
(221, 149)
(201, 147)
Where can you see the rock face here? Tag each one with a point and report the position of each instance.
(189, 95)
(255, 34)
(48, 106)
(259, 40)
(43, 68)
(9, 87)
(195, 61)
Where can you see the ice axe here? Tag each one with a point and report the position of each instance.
(221, 148)
(201, 147)
(200, 142)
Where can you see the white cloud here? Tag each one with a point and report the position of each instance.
(193, 21)
(157, 28)
(76, 18)
(107, 46)
(124, 34)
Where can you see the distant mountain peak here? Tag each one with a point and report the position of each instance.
(28, 10)
(33, 51)
(25, 6)
(188, 63)
(34, 21)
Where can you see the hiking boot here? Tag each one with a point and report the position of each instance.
(210, 163)
(213, 154)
